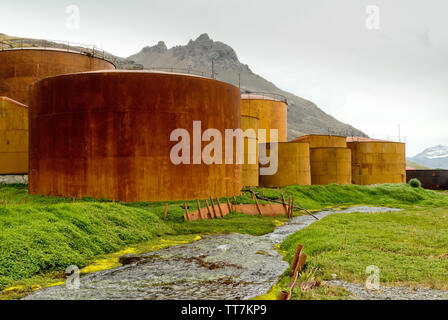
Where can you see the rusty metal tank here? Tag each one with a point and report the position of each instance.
(376, 161)
(330, 165)
(13, 137)
(323, 141)
(107, 135)
(272, 112)
(430, 179)
(293, 165)
(250, 169)
(19, 68)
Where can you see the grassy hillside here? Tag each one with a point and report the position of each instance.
(47, 234)
(416, 165)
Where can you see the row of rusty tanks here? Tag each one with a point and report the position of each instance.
(19, 69)
(326, 159)
(108, 134)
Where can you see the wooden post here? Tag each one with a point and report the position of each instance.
(209, 210)
(292, 209)
(229, 205)
(284, 205)
(234, 199)
(186, 210)
(166, 211)
(296, 258)
(199, 208)
(219, 207)
(289, 208)
(213, 207)
(258, 206)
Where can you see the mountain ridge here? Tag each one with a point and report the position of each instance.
(304, 117)
(204, 54)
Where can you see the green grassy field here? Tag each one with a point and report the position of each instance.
(409, 247)
(42, 237)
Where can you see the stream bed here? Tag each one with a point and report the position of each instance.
(228, 267)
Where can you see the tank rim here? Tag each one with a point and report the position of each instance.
(264, 96)
(320, 135)
(17, 103)
(57, 50)
(121, 71)
(329, 148)
(396, 142)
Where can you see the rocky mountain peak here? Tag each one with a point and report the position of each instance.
(160, 47)
(203, 37)
(209, 56)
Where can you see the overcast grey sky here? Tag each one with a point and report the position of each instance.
(321, 50)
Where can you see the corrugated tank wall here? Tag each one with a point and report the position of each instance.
(378, 162)
(331, 165)
(293, 165)
(430, 179)
(13, 137)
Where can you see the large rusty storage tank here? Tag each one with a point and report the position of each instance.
(293, 165)
(330, 165)
(375, 161)
(430, 179)
(19, 68)
(323, 141)
(272, 112)
(250, 169)
(13, 137)
(107, 135)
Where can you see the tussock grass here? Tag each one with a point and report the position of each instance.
(51, 237)
(45, 235)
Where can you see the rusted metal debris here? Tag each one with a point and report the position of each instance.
(216, 209)
(283, 203)
(297, 265)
